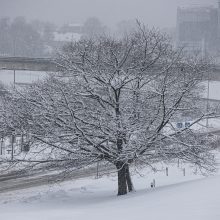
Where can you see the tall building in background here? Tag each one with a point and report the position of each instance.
(198, 29)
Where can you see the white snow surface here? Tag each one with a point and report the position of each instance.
(214, 90)
(190, 197)
(21, 76)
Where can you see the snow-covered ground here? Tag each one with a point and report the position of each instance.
(190, 197)
(202, 126)
(25, 76)
(214, 90)
(21, 76)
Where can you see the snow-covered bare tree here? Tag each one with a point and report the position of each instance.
(118, 101)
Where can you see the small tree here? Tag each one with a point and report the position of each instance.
(118, 101)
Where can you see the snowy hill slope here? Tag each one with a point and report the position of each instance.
(176, 197)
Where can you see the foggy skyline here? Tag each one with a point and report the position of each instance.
(159, 13)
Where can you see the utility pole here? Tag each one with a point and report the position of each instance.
(14, 78)
(2, 143)
(97, 170)
(207, 104)
(14, 56)
(12, 146)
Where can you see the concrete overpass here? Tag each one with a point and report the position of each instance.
(26, 63)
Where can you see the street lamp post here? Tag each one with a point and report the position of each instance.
(207, 104)
(14, 80)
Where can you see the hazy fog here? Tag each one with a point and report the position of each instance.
(161, 13)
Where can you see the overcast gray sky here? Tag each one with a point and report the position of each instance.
(161, 13)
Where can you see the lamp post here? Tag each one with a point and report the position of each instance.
(14, 77)
(207, 104)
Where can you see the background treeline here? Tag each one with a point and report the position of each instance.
(18, 37)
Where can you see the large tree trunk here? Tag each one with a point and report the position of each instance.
(128, 179)
(124, 179)
(122, 183)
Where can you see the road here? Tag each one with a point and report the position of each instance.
(23, 180)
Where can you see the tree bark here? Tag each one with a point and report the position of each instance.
(122, 183)
(124, 179)
(128, 179)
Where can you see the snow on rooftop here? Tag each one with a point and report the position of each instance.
(75, 25)
(197, 7)
(66, 37)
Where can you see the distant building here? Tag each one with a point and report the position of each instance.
(66, 37)
(198, 29)
(71, 28)
(67, 33)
